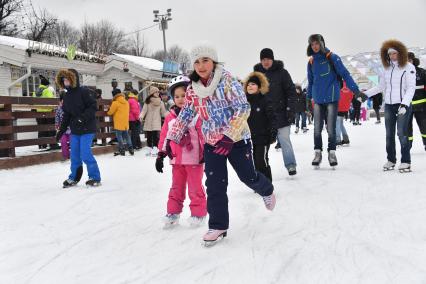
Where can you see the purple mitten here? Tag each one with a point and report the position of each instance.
(224, 146)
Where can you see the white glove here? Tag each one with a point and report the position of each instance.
(402, 110)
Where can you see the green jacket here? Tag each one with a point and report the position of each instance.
(44, 92)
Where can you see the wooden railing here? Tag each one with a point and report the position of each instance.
(13, 109)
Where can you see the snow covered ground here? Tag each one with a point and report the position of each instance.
(357, 224)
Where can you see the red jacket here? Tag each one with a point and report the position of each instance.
(345, 100)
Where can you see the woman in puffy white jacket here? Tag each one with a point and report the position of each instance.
(398, 83)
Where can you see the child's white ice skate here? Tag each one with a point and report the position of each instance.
(213, 236)
(196, 221)
(171, 220)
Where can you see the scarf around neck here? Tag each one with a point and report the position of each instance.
(206, 91)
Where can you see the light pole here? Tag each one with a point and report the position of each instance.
(163, 19)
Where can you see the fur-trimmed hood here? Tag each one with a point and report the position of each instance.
(277, 65)
(398, 46)
(70, 75)
(264, 83)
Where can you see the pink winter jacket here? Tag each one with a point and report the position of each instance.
(134, 109)
(183, 156)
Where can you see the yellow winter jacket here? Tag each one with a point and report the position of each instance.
(120, 112)
(44, 92)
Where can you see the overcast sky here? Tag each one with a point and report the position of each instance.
(240, 29)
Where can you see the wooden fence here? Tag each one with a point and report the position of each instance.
(15, 109)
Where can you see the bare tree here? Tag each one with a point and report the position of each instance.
(102, 38)
(174, 53)
(138, 46)
(40, 24)
(63, 34)
(9, 10)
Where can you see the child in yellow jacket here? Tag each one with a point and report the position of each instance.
(120, 114)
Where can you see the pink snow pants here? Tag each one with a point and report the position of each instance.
(191, 175)
(65, 146)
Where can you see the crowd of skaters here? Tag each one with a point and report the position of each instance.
(210, 118)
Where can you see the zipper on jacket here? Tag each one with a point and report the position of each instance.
(400, 86)
(390, 95)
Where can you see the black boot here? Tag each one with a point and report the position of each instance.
(93, 183)
(131, 151)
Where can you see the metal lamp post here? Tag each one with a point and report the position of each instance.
(163, 20)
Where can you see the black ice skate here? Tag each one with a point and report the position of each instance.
(93, 183)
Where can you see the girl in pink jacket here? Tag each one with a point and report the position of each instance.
(186, 160)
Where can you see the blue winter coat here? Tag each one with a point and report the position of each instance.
(323, 85)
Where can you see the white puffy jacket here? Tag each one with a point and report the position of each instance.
(398, 84)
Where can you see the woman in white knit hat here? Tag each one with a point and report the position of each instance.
(221, 103)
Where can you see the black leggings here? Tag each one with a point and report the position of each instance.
(152, 138)
(261, 160)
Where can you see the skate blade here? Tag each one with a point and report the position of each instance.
(95, 185)
(405, 171)
(169, 226)
(208, 244)
(388, 169)
(316, 167)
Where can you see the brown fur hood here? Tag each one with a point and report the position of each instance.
(399, 46)
(264, 83)
(65, 73)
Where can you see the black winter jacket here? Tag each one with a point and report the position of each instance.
(79, 111)
(282, 93)
(260, 119)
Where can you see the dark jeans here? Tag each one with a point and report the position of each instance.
(241, 159)
(303, 115)
(327, 113)
(377, 111)
(135, 129)
(152, 138)
(398, 123)
(261, 160)
(421, 122)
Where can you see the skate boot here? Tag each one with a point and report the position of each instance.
(154, 152)
(317, 159)
(120, 152)
(388, 166)
(93, 183)
(304, 129)
(404, 168)
(345, 142)
(69, 183)
(332, 159)
(270, 201)
(171, 220)
(213, 236)
(292, 171)
(196, 221)
(131, 151)
(297, 130)
(377, 122)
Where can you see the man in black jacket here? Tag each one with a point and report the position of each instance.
(282, 94)
(80, 115)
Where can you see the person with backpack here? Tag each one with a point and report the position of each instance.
(419, 101)
(300, 109)
(325, 74)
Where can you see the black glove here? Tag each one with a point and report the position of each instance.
(361, 96)
(273, 138)
(58, 135)
(159, 162)
(169, 152)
